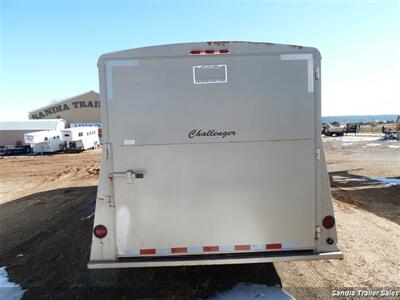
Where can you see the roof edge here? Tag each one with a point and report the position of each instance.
(179, 49)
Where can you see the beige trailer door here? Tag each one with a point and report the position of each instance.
(223, 151)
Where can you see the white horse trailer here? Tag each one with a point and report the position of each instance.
(81, 138)
(12, 133)
(45, 141)
(213, 155)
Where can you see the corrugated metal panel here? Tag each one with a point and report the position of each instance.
(33, 125)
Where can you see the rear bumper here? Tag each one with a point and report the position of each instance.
(224, 259)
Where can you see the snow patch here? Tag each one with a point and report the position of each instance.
(88, 217)
(385, 180)
(253, 291)
(393, 146)
(373, 145)
(357, 138)
(347, 144)
(9, 290)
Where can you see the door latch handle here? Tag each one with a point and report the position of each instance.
(130, 175)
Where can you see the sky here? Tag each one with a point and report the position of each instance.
(49, 48)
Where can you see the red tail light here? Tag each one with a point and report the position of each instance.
(328, 222)
(100, 231)
(210, 51)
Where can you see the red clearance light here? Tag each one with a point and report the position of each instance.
(100, 231)
(210, 51)
(328, 222)
(224, 51)
(195, 52)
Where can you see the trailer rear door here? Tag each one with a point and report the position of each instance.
(226, 148)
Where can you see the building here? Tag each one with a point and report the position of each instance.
(12, 132)
(84, 108)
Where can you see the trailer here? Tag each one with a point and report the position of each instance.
(389, 133)
(212, 154)
(334, 130)
(98, 125)
(15, 150)
(81, 138)
(398, 127)
(392, 131)
(12, 134)
(352, 128)
(45, 141)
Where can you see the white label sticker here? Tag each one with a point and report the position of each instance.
(129, 142)
(210, 74)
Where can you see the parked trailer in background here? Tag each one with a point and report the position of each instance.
(98, 125)
(334, 130)
(46, 141)
(213, 155)
(398, 127)
(12, 134)
(81, 138)
(392, 131)
(352, 128)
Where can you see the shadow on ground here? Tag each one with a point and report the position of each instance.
(46, 243)
(366, 193)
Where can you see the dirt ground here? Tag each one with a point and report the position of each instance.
(46, 218)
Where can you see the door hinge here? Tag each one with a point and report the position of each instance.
(317, 75)
(318, 154)
(317, 232)
(110, 201)
(107, 148)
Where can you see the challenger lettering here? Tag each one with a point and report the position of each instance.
(212, 132)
